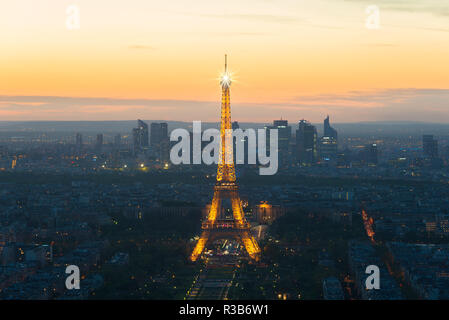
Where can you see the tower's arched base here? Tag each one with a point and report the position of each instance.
(244, 237)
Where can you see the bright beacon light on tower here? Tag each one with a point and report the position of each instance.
(225, 79)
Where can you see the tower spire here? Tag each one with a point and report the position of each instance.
(225, 79)
(226, 63)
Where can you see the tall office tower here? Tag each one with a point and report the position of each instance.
(328, 130)
(328, 148)
(226, 196)
(117, 140)
(159, 132)
(284, 136)
(99, 142)
(79, 140)
(328, 144)
(159, 141)
(430, 146)
(140, 136)
(372, 157)
(306, 143)
(136, 140)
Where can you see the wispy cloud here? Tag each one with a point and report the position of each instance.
(411, 104)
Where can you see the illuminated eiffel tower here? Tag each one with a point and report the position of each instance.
(226, 190)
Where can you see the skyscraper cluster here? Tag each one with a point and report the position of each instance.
(307, 149)
(155, 140)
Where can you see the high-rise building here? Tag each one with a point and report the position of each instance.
(99, 142)
(140, 136)
(117, 139)
(306, 143)
(372, 156)
(328, 144)
(136, 143)
(79, 140)
(159, 133)
(159, 141)
(328, 148)
(430, 146)
(284, 136)
(328, 130)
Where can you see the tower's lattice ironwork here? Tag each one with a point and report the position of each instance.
(226, 189)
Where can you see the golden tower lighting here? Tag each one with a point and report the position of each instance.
(215, 226)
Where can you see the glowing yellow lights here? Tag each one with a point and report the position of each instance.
(264, 205)
(226, 169)
(214, 208)
(226, 188)
(225, 80)
(199, 247)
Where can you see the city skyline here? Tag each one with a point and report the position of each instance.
(292, 60)
(124, 175)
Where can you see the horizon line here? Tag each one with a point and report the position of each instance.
(255, 122)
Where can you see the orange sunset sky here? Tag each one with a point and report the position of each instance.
(161, 59)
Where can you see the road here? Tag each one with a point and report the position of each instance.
(213, 281)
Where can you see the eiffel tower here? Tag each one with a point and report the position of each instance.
(226, 190)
